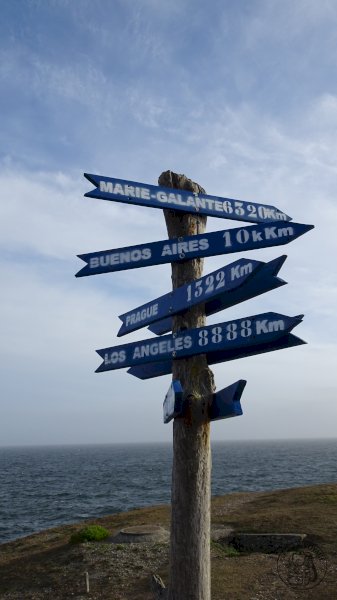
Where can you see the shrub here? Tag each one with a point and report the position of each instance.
(91, 533)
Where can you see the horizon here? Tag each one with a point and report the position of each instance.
(169, 442)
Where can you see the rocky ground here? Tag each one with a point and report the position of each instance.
(45, 566)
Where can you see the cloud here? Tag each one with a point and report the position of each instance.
(242, 101)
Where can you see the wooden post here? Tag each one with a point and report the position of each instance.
(190, 573)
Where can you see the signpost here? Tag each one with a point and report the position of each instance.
(238, 239)
(225, 287)
(143, 194)
(192, 346)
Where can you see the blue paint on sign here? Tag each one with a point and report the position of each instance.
(153, 369)
(228, 336)
(226, 403)
(142, 194)
(225, 287)
(238, 239)
(257, 281)
(173, 403)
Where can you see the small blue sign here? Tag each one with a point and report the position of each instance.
(234, 283)
(173, 403)
(228, 336)
(239, 239)
(142, 194)
(154, 369)
(226, 403)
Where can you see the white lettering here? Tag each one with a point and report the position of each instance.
(261, 326)
(166, 251)
(129, 191)
(276, 325)
(203, 244)
(270, 233)
(94, 262)
(146, 253)
(241, 270)
(266, 326)
(242, 236)
(187, 342)
(106, 186)
(119, 189)
(285, 231)
(257, 236)
(162, 196)
(200, 202)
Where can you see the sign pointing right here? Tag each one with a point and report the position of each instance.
(234, 283)
(239, 333)
(238, 239)
(154, 369)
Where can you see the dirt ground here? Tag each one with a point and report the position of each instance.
(45, 566)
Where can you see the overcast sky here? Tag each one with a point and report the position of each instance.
(241, 97)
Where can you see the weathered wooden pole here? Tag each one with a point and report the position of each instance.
(190, 573)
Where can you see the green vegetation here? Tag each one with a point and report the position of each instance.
(91, 533)
(329, 499)
(229, 551)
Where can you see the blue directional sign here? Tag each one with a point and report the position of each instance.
(228, 336)
(150, 370)
(238, 239)
(142, 194)
(173, 403)
(225, 404)
(234, 283)
(259, 278)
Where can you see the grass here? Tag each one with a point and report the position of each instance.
(91, 533)
(228, 551)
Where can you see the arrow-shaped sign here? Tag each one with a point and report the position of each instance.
(153, 369)
(238, 239)
(225, 404)
(260, 280)
(234, 283)
(142, 194)
(240, 333)
(173, 403)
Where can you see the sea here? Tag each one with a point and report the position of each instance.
(42, 487)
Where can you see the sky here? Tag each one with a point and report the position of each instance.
(239, 96)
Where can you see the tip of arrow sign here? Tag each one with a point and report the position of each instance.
(90, 178)
(277, 263)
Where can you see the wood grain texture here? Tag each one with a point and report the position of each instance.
(191, 471)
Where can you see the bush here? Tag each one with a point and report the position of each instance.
(92, 533)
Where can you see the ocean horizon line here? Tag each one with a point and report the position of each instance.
(163, 442)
